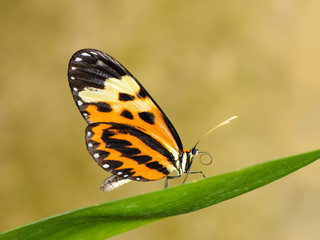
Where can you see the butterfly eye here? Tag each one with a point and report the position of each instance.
(194, 151)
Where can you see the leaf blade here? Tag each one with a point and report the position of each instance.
(112, 218)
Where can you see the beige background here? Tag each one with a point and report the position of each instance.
(202, 61)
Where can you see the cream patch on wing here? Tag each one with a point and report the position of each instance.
(112, 88)
(110, 93)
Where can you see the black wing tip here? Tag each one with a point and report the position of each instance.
(90, 68)
(96, 59)
(90, 52)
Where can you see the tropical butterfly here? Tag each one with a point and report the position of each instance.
(128, 134)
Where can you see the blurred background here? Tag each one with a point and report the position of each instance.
(202, 61)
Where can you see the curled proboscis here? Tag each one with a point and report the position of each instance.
(205, 158)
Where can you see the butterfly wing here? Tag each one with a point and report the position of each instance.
(128, 152)
(106, 92)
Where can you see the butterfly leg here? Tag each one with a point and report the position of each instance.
(170, 177)
(193, 173)
(113, 182)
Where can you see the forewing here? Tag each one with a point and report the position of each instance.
(128, 152)
(105, 91)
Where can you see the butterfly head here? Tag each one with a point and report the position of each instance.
(187, 158)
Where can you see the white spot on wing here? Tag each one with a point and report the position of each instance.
(105, 165)
(73, 68)
(89, 133)
(85, 54)
(138, 179)
(94, 53)
(79, 102)
(75, 89)
(100, 63)
(125, 175)
(90, 145)
(119, 173)
(78, 59)
(72, 78)
(96, 155)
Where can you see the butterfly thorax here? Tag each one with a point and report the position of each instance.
(186, 159)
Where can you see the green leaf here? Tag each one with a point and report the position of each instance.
(112, 218)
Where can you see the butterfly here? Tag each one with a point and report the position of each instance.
(128, 134)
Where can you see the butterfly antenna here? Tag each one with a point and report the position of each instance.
(214, 128)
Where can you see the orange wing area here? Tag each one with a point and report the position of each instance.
(153, 124)
(128, 152)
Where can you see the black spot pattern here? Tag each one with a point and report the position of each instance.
(127, 152)
(148, 117)
(106, 134)
(142, 93)
(113, 164)
(103, 107)
(115, 143)
(157, 166)
(126, 114)
(141, 159)
(103, 154)
(125, 97)
(119, 145)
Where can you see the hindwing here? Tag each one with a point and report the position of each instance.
(128, 152)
